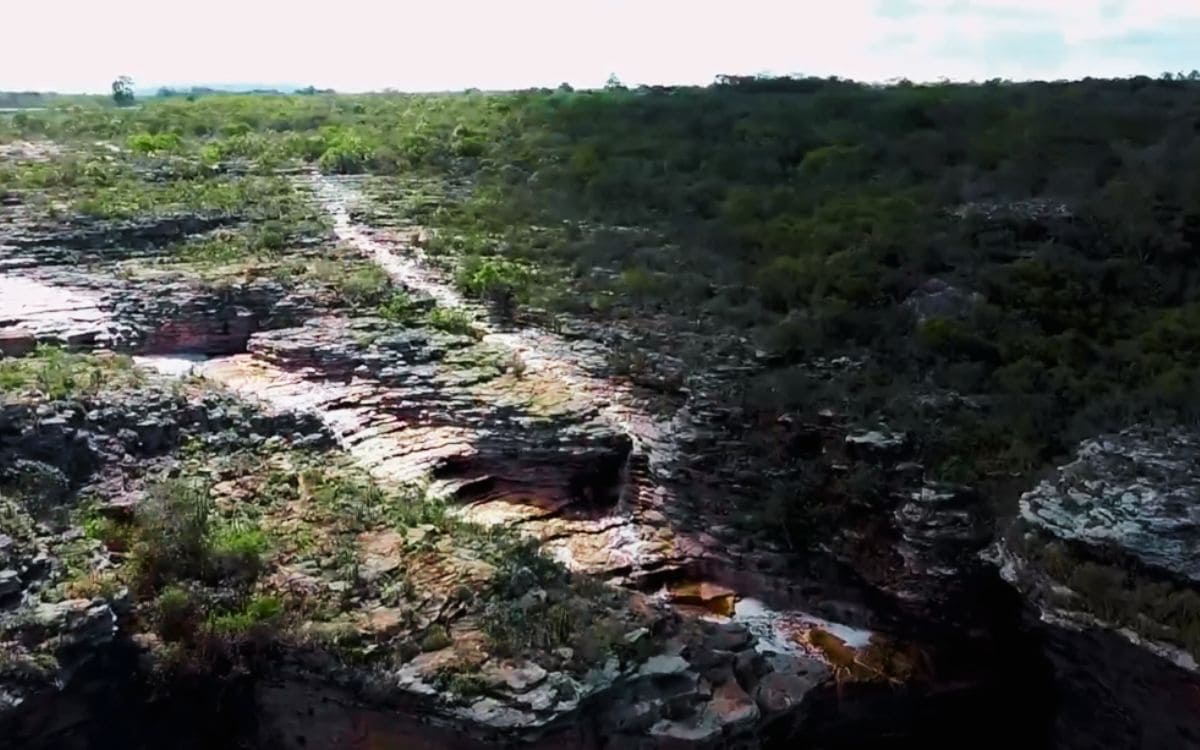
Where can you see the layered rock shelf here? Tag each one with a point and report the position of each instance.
(1137, 492)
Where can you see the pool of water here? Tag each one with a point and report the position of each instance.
(172, 365)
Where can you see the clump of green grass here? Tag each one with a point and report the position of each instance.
(399, 308)
(173, 525)
(176, 613)
(236, 550)
(260, 617)
(465, 684)
(360, 285)
(451, 320)
(55, 373)
(361, 504)
(116, 536)
(218, 250)
(577, 612)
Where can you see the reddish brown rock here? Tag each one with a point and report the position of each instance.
(732, 706)
(16, 342)
(779, 692)
(712, 597)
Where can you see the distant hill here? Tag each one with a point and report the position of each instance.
(224, 88)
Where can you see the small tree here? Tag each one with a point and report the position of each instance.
(122, 91)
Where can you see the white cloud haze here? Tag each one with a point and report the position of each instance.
(77, 45)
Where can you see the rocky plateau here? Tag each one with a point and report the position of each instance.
(906, 629)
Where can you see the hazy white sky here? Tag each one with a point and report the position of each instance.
(78, 45)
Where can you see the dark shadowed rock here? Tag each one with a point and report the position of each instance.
(16, 342)
(937, 299)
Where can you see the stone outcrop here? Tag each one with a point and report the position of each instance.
(937, 299)
(1136, 493)
(1113, 693)
(513, 449)
(87, 239)
(1105, 553)
(16, 342)
(52, 453)
(710, 687)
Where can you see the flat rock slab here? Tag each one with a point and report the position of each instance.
(1137, 491)
(48, 311)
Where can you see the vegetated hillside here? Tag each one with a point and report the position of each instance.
(1007, 267)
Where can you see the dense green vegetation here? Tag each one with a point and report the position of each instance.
(807, 216)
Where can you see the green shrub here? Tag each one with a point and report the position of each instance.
(361, 285)
(788, 282)
(498, 280)
(175, 614)
(518, 557)
(466, 684)
(259, 619)
(451, 320)
(465, 143)
(237, 551)
(115, 535)
(365, 286)
(955, 340)
(345, 153)
(173, 524)
(269, 238)
(153, 143)
(642, 284)
(399, 308)
(436, 639)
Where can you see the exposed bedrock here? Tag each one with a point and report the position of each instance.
(892, 632)
(1136, 493)
(83, 238)
(170, 317)
(182, 318)
(1106, 552)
